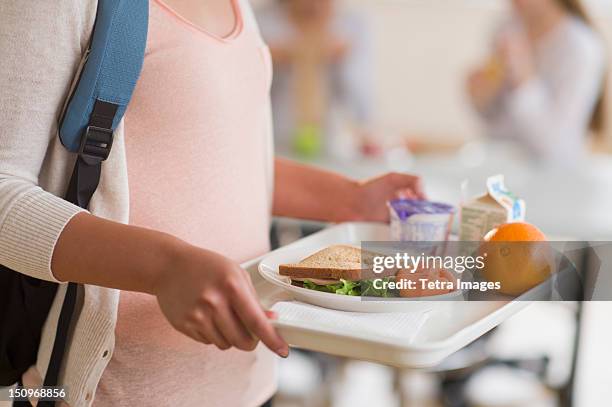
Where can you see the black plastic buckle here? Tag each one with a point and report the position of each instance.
(96, 145)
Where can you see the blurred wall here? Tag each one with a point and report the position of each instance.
(423, 50)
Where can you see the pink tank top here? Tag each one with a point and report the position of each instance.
(197, 165)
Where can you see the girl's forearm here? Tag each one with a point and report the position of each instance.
(201, 293)
(92, 250)
(306, 192)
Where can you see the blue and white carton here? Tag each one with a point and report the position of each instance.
(483, 213)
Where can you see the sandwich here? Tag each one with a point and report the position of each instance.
(338, 269)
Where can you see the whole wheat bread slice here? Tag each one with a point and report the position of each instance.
(334, 262)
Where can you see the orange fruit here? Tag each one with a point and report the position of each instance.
(518, 256)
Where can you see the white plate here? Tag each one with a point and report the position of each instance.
(268, 268)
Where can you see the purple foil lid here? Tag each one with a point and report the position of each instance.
(408, 207)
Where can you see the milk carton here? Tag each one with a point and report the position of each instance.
(483, 213)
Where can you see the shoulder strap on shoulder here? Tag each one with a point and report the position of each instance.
(110, 73)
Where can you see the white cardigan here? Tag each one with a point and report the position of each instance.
(41, 43)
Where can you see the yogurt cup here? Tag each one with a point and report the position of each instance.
(420, 221)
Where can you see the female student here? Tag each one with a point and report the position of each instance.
(166, 316)
(543, 86)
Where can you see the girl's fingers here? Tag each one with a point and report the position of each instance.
(249, 281)
(418, 189)
(193, 332)
(232, 329)
(253, 317)
(405, 193)
(209, 331)
(409, 182)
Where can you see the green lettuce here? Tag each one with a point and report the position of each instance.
(355, 288)
(344, 287)
(368, 289)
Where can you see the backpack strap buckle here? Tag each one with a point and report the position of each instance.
(96, 144)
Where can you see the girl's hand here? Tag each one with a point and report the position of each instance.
(211, 299)
(306, 192)
(371, 196)
(483, 86)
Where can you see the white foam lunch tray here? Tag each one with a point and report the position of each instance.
(447, 329)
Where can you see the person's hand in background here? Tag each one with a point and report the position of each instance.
(369, 145)
(484, 84)
(511, 63)
(370, 148)
(515, 54)
(337, 48)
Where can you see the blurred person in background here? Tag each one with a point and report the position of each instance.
(321, 92)
(543, 86)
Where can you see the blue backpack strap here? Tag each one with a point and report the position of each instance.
(110, 74)
(98, 103)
